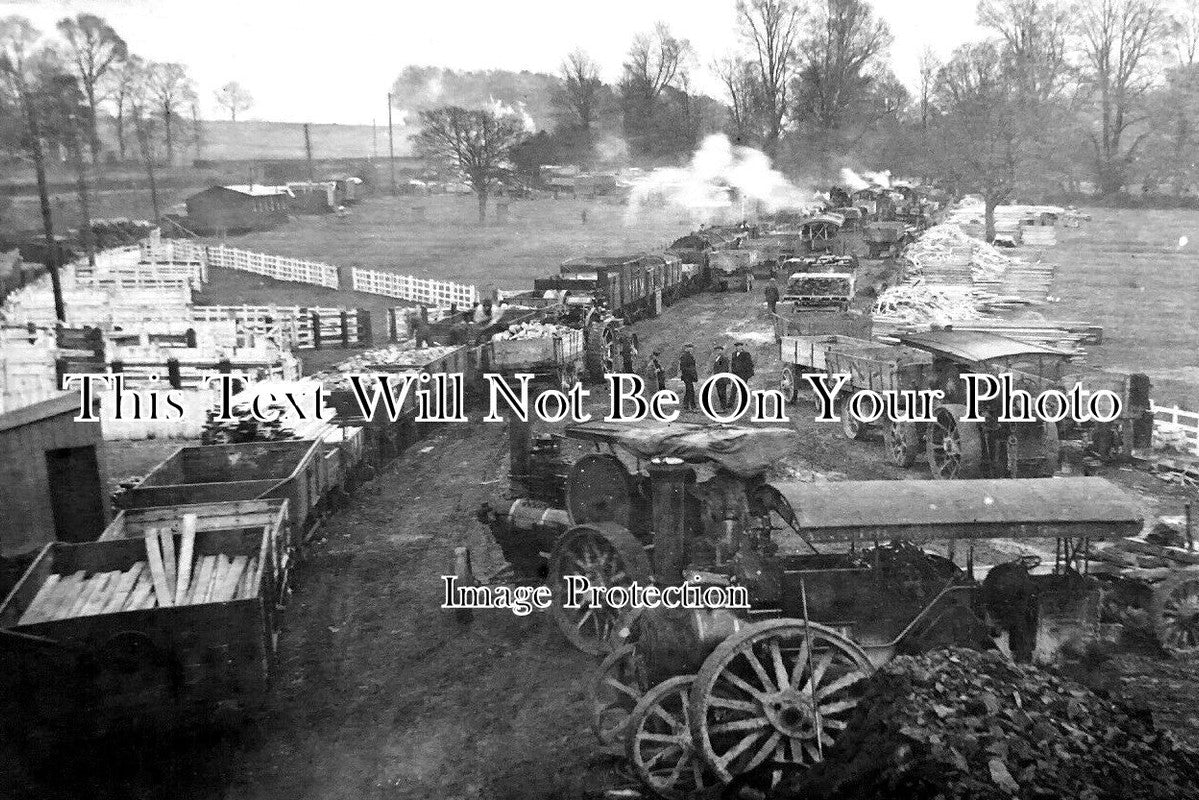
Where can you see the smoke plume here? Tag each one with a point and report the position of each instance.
(719, 176)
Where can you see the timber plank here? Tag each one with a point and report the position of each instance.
(124, 587)
(186, 555)
(157, 573)
(167, 540)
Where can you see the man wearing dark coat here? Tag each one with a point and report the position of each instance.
(689, 374)
(742, 363)
(655, 373)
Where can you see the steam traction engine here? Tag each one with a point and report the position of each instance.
(837, 578)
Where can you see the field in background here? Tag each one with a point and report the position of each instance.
(1126, 270)
(450, 244)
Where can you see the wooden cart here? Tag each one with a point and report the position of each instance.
(297, 471)
(89, 651)
(558, 357)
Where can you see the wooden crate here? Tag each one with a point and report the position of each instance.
(160, 667)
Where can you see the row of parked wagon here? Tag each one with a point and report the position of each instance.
(170, 618)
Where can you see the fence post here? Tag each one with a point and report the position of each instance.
(391, 324)
(316, 330)
(174, 377)
(345, 328)
(365, 333)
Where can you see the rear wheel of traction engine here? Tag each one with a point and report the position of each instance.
(955, 448)
(902, 441)
(659, 744)
(1175, 610)
(614, 691)
(850, 426)
(788, 385)
(776, 692)
(607, 555)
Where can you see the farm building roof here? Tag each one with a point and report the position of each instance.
(257, 190)
(975, 345)
(52, 406)
(922, 511)
(599, 261)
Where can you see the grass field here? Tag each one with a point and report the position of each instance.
(386, 233)
(1127, 271)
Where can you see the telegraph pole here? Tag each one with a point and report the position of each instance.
(391, 145)
(308, 152)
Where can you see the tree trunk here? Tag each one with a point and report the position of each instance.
(85, 211)
(482, 207)
(989, 204)
(166, 123)
(43, 192)
(120, 123)
(153, 186)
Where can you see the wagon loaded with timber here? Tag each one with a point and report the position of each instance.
(837, 577)
(167, 623)
(547, 351)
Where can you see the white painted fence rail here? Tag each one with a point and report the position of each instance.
(1177, 424)
(277, 267)
(417, 290)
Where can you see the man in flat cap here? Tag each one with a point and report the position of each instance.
(689, 374)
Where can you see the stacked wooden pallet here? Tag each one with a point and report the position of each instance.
(1140, 559)
(166, 578)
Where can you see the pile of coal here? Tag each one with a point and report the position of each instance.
(966, 724)
(244, 428)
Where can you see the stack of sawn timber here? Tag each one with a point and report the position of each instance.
(1150, 558)
(163, 580)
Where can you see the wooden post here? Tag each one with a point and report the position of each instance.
(308, 152)
(365, 334)
(345, 329)
(316, 330)
(520, 443)
(391, 146)
(668, 477)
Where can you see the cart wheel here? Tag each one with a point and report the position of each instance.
(615, 689)
(955, 448)
(1175, 611)
(607, 555)
(779, 691)
(850, 426)
(788, 386)
(903, 443)
(659, 742)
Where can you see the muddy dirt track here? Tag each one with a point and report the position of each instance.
(381, 695)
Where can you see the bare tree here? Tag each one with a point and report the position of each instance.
(18, 71)
(979, 146)
(581, 84)
(95, 48)
(654, 62)
(142, 114)
(1184, 27)
(475, 143)
(119, 85)
(1035, 36)
(929, 66)
(66, 121)
(1119, 38)
(233, 98)
(845, 42)
(171, 89)
(772, 28)
(739, 79)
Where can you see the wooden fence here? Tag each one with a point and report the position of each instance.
(1179, 423)
(277, 267)
(147, 265)
(417, 290)
(297, 327)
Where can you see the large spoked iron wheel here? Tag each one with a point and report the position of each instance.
(851, 426)
(659, 743)
(607, 555)
(615, 689)
(902, 441)
(777, 692)
(1176, 613)
(955, 448)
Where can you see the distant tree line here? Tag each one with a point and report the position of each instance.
(1059, 97)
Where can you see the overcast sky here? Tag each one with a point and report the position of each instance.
(307, 61)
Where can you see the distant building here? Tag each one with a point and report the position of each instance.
(51, 476)
(313, 197)
(236, 209)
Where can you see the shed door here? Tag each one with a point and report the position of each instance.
(76, 494)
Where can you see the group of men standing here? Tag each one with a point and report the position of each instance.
(739, 363)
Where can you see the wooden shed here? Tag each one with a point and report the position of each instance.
(52, 483)
(235, 209)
